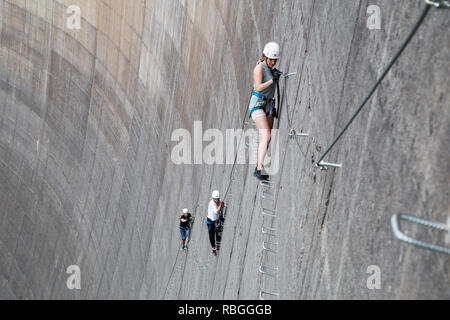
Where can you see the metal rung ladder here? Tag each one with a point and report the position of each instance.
(267, 203)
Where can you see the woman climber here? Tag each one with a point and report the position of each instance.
(262, 104)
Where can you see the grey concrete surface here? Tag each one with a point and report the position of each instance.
(86, 176)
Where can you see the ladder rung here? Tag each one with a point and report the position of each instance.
(268, 249)
(267, 195)
(268, 212)
(261, 292)
(269, 231)
(266, 183)
(263, 270)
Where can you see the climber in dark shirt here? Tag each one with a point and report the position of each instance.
(185, 228)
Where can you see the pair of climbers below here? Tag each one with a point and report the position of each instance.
(262, 103)
(214, 222)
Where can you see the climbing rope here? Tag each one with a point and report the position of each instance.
(386, 71)
(237, 151)
(195, 254)
(196, 258)
(292, 132)
(178, 253)
(171, 274)
(177, 265)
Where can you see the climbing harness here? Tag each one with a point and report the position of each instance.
(208, 223)
(434, 225)
(253, 110)
(259, 96)
(273, 110)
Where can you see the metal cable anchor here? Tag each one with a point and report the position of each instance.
(438, 3)
(434, 225)
(324, 165)
(294, 133)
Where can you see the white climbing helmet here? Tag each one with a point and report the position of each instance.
(272, 50)
(185, 210)
(216, 194)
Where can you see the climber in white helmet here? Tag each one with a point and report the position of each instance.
(214, 221)
(262, 104)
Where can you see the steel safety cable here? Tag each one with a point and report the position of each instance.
(237, 151)
(379, 81)
(195, 256)
(292, 129)
(171, 273)
(176, 258)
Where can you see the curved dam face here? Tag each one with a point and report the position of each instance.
(87, 177)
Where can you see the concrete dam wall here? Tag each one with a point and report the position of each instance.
(87, 179)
